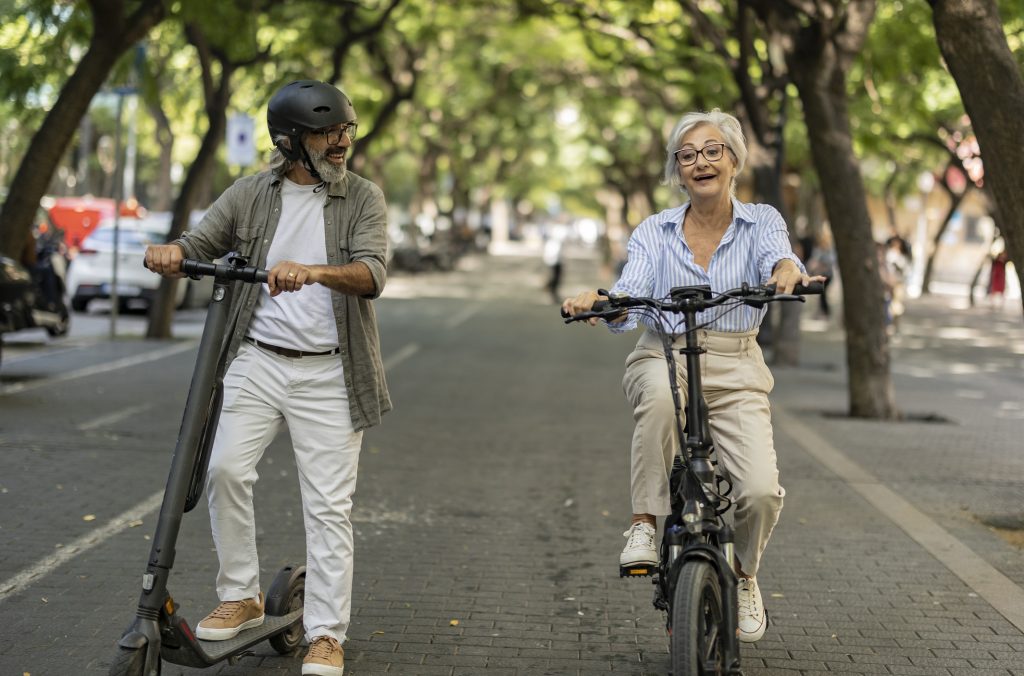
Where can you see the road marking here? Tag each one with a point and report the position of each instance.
(458, 319)
(101, 368)
(114, 417)
(83, 544)
(88, 541)
(1000, 591)
(400, 356)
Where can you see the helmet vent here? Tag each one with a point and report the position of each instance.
(322, 109)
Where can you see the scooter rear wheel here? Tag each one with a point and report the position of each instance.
(287, 593)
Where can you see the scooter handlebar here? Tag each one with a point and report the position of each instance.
(194, 268)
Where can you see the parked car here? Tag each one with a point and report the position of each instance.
(91, 273)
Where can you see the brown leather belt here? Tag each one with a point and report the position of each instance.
(288, 352)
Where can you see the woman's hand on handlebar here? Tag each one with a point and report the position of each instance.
(165, 259)
(580, 303)
(289, 276)
(787, 276)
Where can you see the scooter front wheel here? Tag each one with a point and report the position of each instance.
(697, 619)
(131, 662)
(287, 594)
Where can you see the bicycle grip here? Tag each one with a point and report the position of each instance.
(812, 289)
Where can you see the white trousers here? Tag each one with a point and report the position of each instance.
(736, 385)
(262, 391)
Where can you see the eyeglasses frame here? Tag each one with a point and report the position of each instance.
(700, 152)
(349, 128)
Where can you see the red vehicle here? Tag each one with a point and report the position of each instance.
(78, 216)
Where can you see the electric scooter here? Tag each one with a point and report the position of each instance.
(158, 630)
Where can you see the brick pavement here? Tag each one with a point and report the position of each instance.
(491, 504)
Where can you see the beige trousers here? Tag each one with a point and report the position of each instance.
(736, 385)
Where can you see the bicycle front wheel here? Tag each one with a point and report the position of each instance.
(697, 619)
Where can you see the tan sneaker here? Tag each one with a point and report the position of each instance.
(229, 618)
(325, 658)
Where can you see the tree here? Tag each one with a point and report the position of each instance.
(116, 26)
(974, 46)
(821, 39)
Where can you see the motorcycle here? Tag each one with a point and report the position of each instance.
(32, 295)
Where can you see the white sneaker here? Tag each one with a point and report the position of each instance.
(640, 547)
(752, 617)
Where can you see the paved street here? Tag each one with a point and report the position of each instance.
(492, 500)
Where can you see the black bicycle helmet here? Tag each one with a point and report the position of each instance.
(305, 105)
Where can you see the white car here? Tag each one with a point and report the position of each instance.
(90, 275)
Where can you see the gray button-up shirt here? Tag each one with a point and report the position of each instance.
(244, 220)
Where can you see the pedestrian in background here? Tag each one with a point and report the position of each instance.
(554, 246)
(303, 351)
(896, 259)
(822, 263)
(712, 239)
(997, 279)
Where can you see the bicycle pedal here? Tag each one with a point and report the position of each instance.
(637, 570)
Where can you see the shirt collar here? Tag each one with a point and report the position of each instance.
(339, 189)
(741, 213)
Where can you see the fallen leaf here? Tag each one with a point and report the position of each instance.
(134, 523)
(605, 512)
(453, 623)
(89, 517)
(777, 595)
(568, 502)
(379, 632)
(45, 600)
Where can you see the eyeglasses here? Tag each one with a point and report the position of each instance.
(712, 152)
(334, 134)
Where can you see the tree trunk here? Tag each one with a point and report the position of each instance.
(816, 65)
(929, 267)
(973, 44)
(161, 311)
(113, 34)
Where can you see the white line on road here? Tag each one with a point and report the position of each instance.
(461, 317)
(80, 546)
(400, 356)
(119, 523)
(101, 368)
(114, 417)
(1000, 591)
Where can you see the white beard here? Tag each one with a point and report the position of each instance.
(329, 172)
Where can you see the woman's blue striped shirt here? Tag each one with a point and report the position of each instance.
(659, 259)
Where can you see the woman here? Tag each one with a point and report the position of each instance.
(712, 239)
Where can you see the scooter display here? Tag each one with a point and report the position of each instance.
(158, 631)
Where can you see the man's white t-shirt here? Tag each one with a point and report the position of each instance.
(303, 319)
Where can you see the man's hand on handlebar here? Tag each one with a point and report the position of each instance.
(787, 276)
(165, 259)
(289, 276)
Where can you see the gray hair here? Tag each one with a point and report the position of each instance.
(280, 164)
(725, 123)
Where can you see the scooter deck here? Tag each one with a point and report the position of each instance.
(215, 651)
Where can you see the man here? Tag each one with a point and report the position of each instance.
(302, 350)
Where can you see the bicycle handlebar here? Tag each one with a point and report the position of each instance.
(696, 298)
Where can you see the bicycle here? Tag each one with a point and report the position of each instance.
(694, 582)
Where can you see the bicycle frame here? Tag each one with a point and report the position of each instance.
(696, 529)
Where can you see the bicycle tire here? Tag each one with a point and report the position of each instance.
(697, 619)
